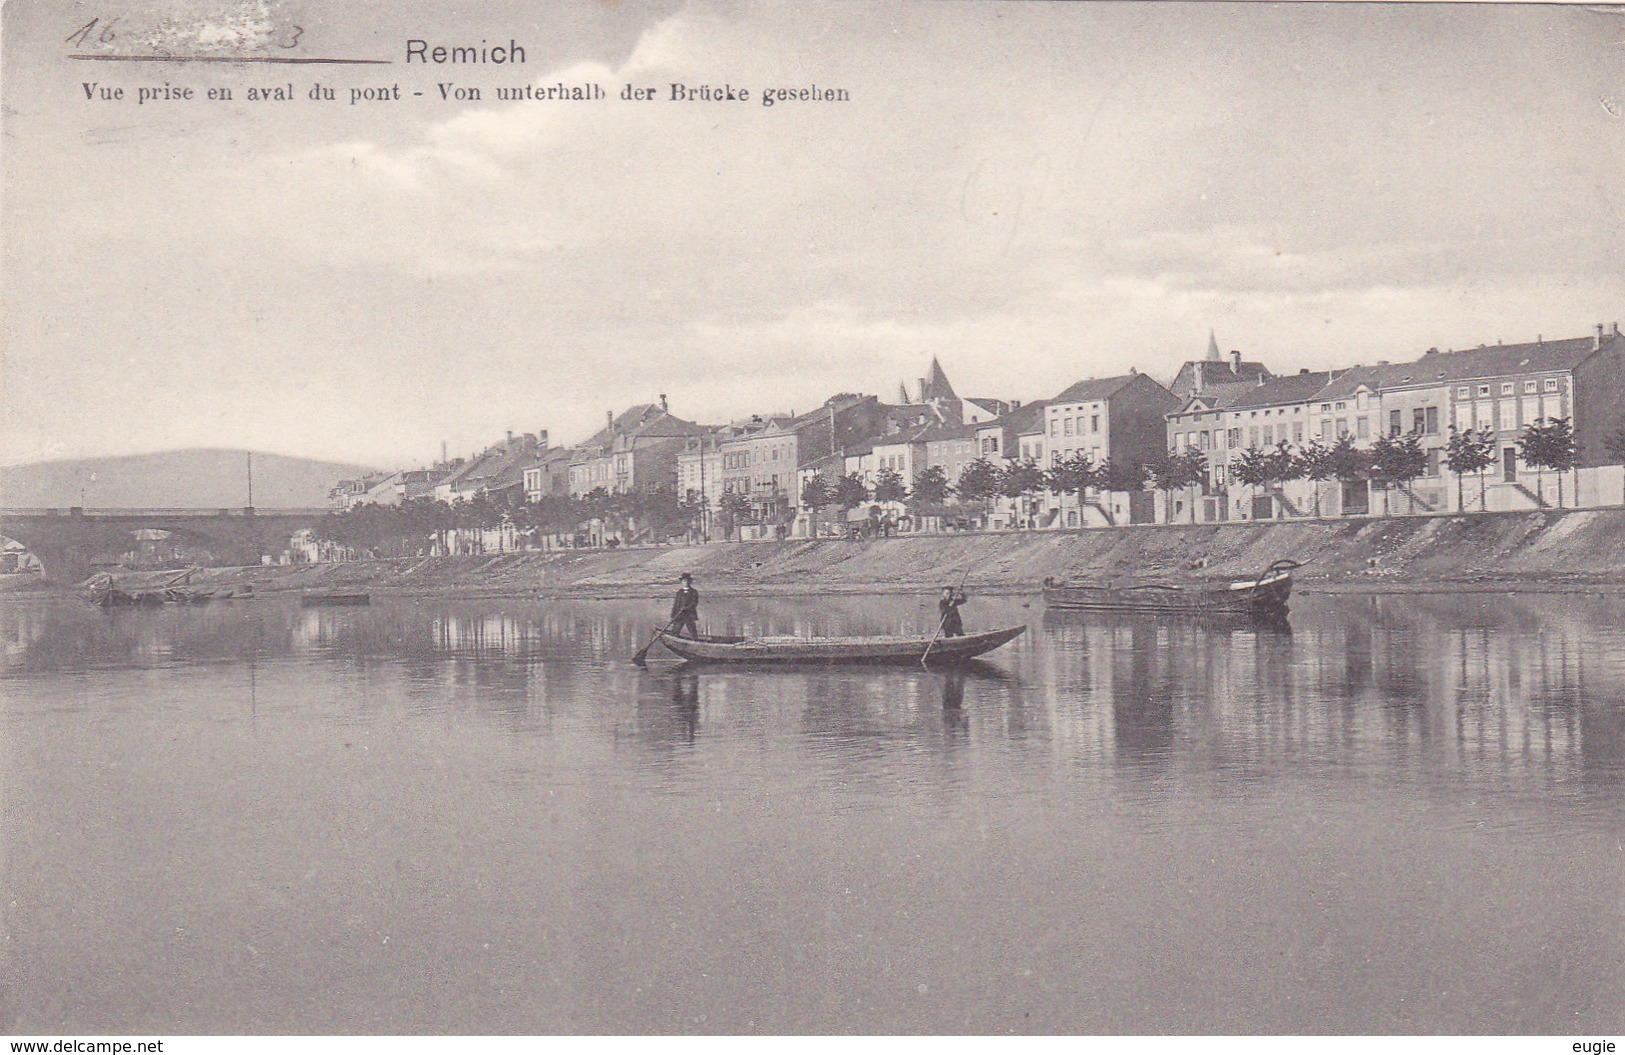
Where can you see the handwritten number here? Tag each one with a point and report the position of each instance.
(293, 41)
(79, 35)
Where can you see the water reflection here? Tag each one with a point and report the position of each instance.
(247, 800)
(1481, 683)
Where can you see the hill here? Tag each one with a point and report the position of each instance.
(188, 479)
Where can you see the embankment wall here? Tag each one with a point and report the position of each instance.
(1483, 551)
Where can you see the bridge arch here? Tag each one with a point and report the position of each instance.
(68, 542)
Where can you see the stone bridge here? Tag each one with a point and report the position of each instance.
(66, 541)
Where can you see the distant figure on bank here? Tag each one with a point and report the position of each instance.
(948, 610)
(685, 609)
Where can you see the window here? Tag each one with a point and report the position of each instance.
(1055, 457)
(1054, 426)
(1233, 438)
(1094, 423)
(1297, 432)
(1463, 392)
(1252, 436)
(1342, 406)
(1269, 435)
(1325, 408)
(1069, 426)
(1549, 385)
(1506, 388)
(1529, 388)
(1433, 460)
(1430, 424)
(1419, 420)
(1342, 426)
(1483, 390)
(1393, 423)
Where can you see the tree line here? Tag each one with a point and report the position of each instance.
(415, 525)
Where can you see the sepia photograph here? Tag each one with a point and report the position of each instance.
(740, 518)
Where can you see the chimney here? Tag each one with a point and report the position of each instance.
(664, 409)
(541, 440)
(1235, 361)
(1303, 369)
(921, 389)
(609, 419)
(1431, 351)
(510, 437)
(1616, 330)
(1598, 345)
(442, 452)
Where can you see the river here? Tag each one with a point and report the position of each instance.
(1396, 815)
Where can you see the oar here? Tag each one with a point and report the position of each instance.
(642, 655)
(944, 620)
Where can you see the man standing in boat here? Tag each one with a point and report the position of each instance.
(948, 610)
(685, 609)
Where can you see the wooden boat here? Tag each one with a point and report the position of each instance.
(323, 600)
(1265, 595)
(890, 649)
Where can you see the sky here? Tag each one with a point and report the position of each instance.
(1034, 193)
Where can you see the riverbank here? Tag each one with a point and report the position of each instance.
(1577, 550)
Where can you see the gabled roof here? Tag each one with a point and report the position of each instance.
(1029, 417)
(947, 432)
(1501, 360)
(642, 421)
(1094, 388)
(1283, 391)
(1217, 397)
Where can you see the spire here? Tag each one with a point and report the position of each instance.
(1212, 347)
(936, 386)
(902, 395)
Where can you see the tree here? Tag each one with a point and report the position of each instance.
(1175, 470)
(1253, 468)
(931, 489)
(816, 493)
(889, 486)
(978, 482)
(1073, 476)
(1549, 444)
(1122, 476)
(1469, 451)
(1020, 480)
(1314, 462)
(850, 492)
(1400, 460)
(734, 509)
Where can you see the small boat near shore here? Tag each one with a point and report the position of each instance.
(1265, 595)
(104, 592)
(883, 649)
(329, 600)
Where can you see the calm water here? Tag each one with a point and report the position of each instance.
(1399, 815)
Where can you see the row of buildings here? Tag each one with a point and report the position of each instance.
(1219, 405)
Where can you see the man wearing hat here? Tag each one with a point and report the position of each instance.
(685, 609)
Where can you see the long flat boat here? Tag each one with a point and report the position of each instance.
(327, 600)
(887, 649)
(1265, 595)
